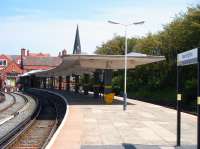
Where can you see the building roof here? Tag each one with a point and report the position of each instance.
(28, 68)
(2, 56)
(12, 68)
(9, 60)
(14, 57)
(42, 61)
(39, 54)
(10, 57)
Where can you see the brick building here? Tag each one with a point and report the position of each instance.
(38, 61)
(9, 70)
(11, 66)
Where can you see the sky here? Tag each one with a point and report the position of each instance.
(49, 26)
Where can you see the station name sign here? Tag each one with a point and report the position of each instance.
(188, 57)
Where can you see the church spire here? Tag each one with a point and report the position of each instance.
(77, 44)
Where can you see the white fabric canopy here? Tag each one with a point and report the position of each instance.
(31, 72)
(80, 64)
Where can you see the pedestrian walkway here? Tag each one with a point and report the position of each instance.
(93, 125)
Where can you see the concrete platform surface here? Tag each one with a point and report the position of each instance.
(135, 146)
(93, 125)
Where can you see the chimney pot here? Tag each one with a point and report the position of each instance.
(28, 53)
(23, 52)
(59, 54)
(64, 52)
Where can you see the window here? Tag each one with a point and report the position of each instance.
(3, 62)
(19, 61)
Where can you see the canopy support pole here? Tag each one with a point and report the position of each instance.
(60, 83)
(45, 82)
(97, 83)
(67, 83)
(107, 81)
(178, 106)
(198, 100)
(86, 84)
(76, 83)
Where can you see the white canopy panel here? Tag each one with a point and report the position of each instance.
(79, 64)
(32, 72)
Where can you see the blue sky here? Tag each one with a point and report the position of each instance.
(49, 26)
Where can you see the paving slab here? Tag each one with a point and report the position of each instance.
(142, 126)
(132, 146)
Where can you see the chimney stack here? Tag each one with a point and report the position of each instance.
(23, 52)
(27, 52)
(59, 55)
(64, 52)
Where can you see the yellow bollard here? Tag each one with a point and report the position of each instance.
(108, 98)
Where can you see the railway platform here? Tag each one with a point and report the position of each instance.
(91, 124)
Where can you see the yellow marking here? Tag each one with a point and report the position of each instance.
(179, 97)
(108, 86)
(198, 100)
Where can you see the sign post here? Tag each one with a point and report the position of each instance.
(198, 101)
(178, 106)
(183, 59)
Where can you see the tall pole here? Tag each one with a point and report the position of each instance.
(198, 100)
(125, 57)
(125, 71)
(178, 106)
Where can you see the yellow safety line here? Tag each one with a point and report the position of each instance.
(179, 97)
(198, 100)
(108, 86)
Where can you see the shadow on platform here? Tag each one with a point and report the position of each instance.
(135, 146)
(81, 99)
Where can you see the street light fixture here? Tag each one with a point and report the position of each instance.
(125, 56)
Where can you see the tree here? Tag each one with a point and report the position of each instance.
(115, 46)
(180, 35)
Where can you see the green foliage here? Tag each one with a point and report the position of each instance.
(148, 45)
(117, 82)
(190, 89)
(180, 35)
(115, 46)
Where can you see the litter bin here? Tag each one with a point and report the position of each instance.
(108, 98)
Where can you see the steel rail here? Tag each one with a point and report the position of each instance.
(53, 129)
(10, 105)
(14, 136)
(11, 137)
(15, 113)
(2, 95)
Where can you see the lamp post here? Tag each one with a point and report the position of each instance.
(125, 56)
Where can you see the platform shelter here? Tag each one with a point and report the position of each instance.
(76, 65)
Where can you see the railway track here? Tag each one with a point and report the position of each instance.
(15, 117)
(11, 110)
(2, 97)
(9, 101)
(39, 131)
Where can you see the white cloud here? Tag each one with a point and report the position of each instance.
(44, 35)
(52, 36)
